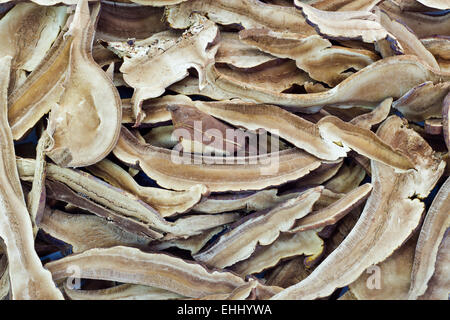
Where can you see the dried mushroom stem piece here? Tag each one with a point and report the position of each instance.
(363, 141)
(166, 202)
(392, 212)
(434, 230)
(180, 172)
(125, 291)
(130, 265)
(300, 132)
(29, 279)
(169, 62)
(446, 120)
(261, 228)
(374, 117)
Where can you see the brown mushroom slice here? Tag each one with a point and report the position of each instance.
(130, 265)
(446, 120)
(392, 212)
(334, 212)
(189, 86)
(423, 101)
(439, 46)
(29, 279)
(181, 172)
(437, 4)
(246, 13)
(172, 60)
(300, 132)
(326, 171)
(86, 232)
(27, 32)
(261, 228)
(347, 178)
(192, 225)
(363, 141)
(360, 25)
(375, 116)
(434, 230)
(313, 54)
(166, 202)
(103, 56)
(433, 126)
(344, 5)
(161, 137)
(288, 273)
(286, 245)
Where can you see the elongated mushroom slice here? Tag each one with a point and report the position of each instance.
(166, 202)
(446, 120)
(181, 172)
(171, 61)
(29, 279)
(286, 245)
(363, 141)
(125, 291)
(434, 230)
(261, 228)
(376, 116)
(390, 215)
(439, 46)
(437, 4)
(344, 5)
(131, 265)
(325, 172)
(161, 137)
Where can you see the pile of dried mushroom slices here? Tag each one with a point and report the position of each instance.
(224, 149)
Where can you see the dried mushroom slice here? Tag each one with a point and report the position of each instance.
(4, 277)
(439, 46)
(261, 228)
(29, 279)
(344, 5)
(161, 137)
(374, 117)
(437, 4)
(392, 212)
(434, 229)
(130, 265)
(446, 120)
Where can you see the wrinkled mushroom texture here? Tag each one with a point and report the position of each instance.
(363, 141)
(261, 228)
(392, 212)
(434, 230)
(246, 13)
(374, 117)
(344, 5)
(313, 54)
(27, 32)
(130, 265)
(437, 4)
(166, 202)
(365, 87)
(125, 291)
(169, 63)
(180, 172)
(359, 25)
(346, 179)
(86, 232)
(28, 278)
(287, 245)
(298, 131)
(423, 101)
(440, 48)
(446, 120)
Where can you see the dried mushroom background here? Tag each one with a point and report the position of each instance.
(224, 149)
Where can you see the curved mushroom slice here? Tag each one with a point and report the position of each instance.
(392, 212)
(334, 212)
(158, 3)
(86, 232)
(376, 116)
(288, 273)
(161, 137)
(27, 32)
(446, 120)
(437, 4)
(261, 228)
(286, 245)
(169, 62)
(125, 291)
(344, 5)
(313, 54)
(246, 13)
(423, 101)
(180, 172)
(363, 141)
(347, 178)
(158, 270)
(434, 230)
(439, 46)
(326, 171)
(189, 86)
(103, 56)
(29, 279)
(300, 132)
(166, 202)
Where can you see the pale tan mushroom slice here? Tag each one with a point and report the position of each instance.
(246, 13)
(287, 245)
(313, 54)
(392, 212)
(446, 120)
(439, 46)
(124, 291)
(27, 32)
(437, 4)
(29, 279)
(434, 229)
(130, 265)
(298, 131)
(261, 228)
(344, 5)
(169, 62)
(374, 117)
(363, 141)
(161, 137)
(180, 172)
(423, 101)
(166, 202)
